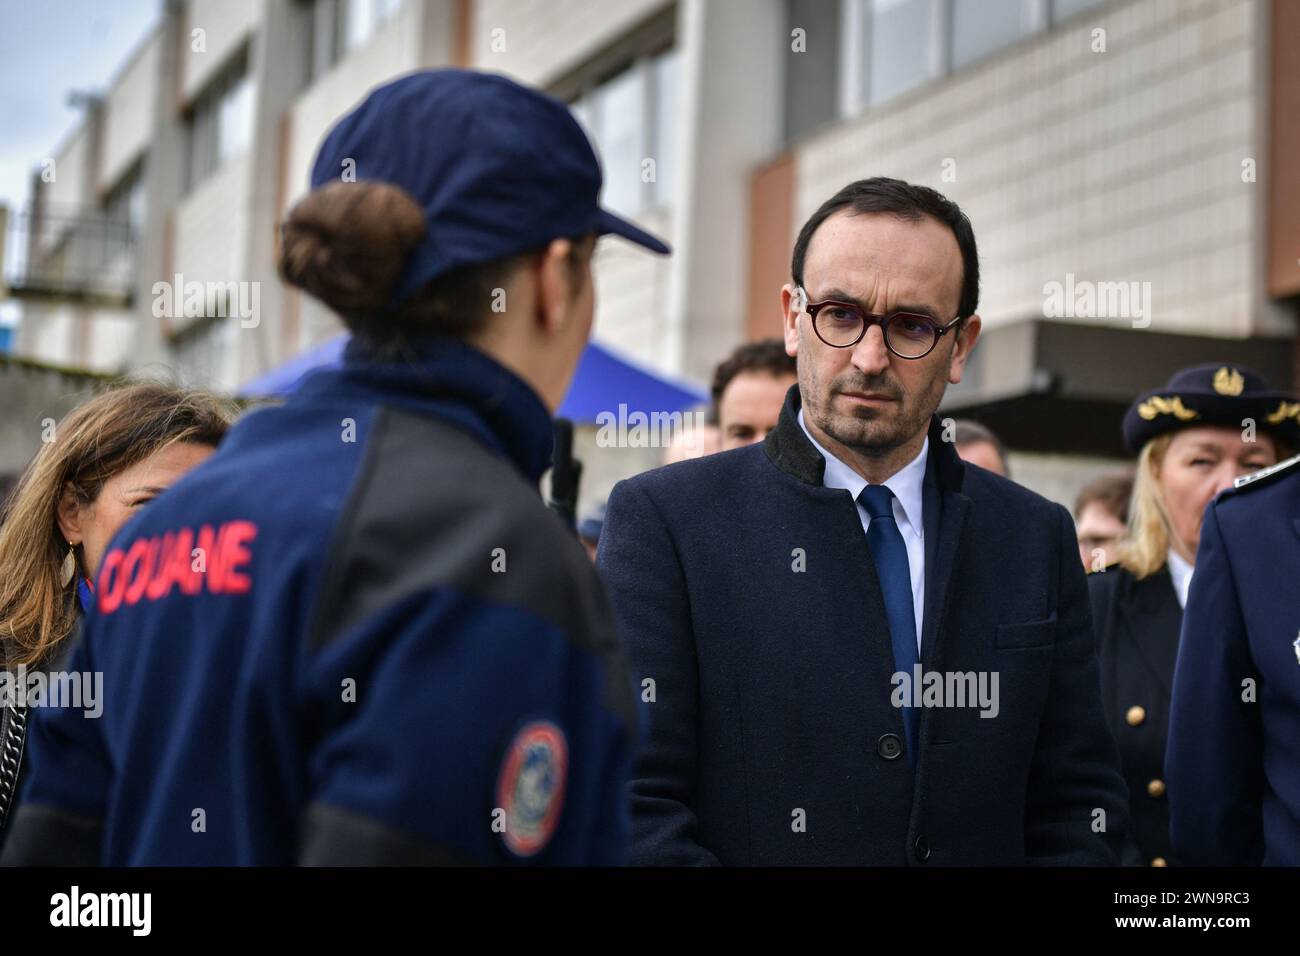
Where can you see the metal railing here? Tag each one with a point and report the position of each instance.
(77, 255)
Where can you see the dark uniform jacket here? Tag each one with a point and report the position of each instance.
(1234, 738)
(390, 652)
(1137, 624)
(748, 595)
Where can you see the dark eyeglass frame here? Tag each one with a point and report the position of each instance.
(868, 319)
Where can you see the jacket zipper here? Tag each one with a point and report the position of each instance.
(11, 757)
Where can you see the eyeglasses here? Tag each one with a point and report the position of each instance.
(842, 325)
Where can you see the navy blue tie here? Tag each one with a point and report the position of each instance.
(893, 570)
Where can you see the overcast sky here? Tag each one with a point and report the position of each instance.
(47, 48)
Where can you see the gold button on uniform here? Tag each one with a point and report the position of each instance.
(1156, 788)
(1135, 715)
(1159, 861)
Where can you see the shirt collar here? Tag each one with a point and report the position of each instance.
(906, 483)
(1181, 572)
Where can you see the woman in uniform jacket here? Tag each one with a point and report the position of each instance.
(109, 457)
(1207, 426)
(395, 653)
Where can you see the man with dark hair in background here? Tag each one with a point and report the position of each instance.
(786, 603)
(978, 445)
(1101, 518)
(749, 388)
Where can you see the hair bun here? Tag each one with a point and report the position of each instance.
(347, 243)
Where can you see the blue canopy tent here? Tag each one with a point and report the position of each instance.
(602, 382)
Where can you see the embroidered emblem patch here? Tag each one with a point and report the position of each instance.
(530, 786)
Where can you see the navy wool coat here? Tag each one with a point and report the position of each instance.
(758, 636)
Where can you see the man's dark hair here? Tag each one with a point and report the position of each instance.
(765, 355)
(893, 196)
(1111, 491)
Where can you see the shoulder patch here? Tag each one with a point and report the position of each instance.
(530, 786)
(1265, 473)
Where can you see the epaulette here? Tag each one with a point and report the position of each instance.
(1264, 475)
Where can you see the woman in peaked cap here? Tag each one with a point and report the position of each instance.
(1209, 425)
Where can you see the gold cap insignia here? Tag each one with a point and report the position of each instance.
(1228, 381)
(1166, 406)
(1284, 411)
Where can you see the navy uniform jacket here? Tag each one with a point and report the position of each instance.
(392, 652)
(1234, 765)
(1137, 625)
(773, 739)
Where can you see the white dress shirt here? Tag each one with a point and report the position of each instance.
(1181, 572)
(906, 485)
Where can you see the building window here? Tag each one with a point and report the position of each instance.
(340, 26)
(891, 46)
(124, 206)
(364, 17)
(221, 122)
(630, 117)
(900, 46)
(663, 131)
(812, 73)
(979, 27)
(619, 108)
(1064, 9)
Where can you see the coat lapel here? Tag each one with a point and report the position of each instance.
(946, 509)
(1154, 620)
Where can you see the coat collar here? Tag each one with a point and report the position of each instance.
(787, 447)
(451, 380)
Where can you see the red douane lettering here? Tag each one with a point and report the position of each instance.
(111, 582)
(235, 555)
(136, 567)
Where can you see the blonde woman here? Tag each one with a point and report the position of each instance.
(1209, 425)
(110, 457)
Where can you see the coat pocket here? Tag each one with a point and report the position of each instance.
(1029, 634)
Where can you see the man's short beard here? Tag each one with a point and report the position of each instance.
(871, 431)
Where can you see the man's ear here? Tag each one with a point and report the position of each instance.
(790, 319)
(555, 284)
(68, 514)
(968, 334)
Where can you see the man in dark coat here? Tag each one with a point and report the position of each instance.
(853, 648)
(1234, 732)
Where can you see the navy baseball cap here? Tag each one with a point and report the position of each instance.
(499, 168)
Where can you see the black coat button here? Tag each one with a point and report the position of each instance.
(922, 848)
(889, 747)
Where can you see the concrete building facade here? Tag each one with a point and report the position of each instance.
(1128, 167)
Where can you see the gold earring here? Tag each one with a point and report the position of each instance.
(69, 569)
